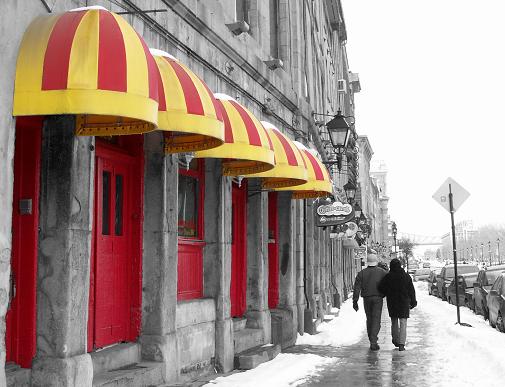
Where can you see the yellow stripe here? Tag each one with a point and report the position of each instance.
(208, 106)
(30, 64)
(174, 95)
(137, 72)
(237, 124)
(261, 130)
(83, 66)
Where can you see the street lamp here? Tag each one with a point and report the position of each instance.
(482, 252)
(340, 132)
(357, 212)
(489, 251)
(350, 191)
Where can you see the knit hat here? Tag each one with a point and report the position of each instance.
(372, 260)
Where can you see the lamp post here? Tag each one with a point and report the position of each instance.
(394, 230)
(498, 246)
(482, 252)
(489, 252)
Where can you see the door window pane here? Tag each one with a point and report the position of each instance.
(188, 206)
(118, 223)
(106, 203)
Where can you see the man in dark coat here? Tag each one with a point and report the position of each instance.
(366, 285)
(400, 294)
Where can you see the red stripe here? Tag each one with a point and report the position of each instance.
(193, 101)
(162, 107)
(252, 131)
(152, 69)
(228, 132)
(303, 158)
(57, 56)
(315, 165)
(219, 115)
(287, 148)
(111, 55)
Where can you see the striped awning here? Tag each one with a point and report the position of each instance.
(290, 169)
(247, 147)
(319, 182)
(91, 63)
(188, 111)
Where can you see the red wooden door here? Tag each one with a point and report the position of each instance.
(21, 317)
(273, 251)
(116, 272)
(239, 250)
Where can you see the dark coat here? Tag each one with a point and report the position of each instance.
(399, 290)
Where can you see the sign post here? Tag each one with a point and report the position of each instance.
(456, 195)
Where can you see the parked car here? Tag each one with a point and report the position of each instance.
(426, 265)
(447, 274)
(465, 290)
(496, 303)
(483, 283)
(413, 266)
(421, 274)
(432, 281)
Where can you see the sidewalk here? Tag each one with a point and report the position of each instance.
(356, 365)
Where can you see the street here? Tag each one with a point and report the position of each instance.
(438, 352)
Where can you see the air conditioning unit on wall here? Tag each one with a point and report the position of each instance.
(342, 86)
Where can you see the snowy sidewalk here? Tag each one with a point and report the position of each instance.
(438, 353)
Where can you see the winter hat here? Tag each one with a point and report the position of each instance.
(395, 264)
(372, 260)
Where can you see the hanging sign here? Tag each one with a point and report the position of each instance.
(333, 214)
(352, 229)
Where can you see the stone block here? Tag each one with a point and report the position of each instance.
(246, 339)
(161, 349)
(135, 375)
(255, 356)
(224, 346)
(115, 357)
(195, 343)
(283, 332)
(195, 312)
(56, 372)
(16, 376)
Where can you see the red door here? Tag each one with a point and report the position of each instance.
(116, 271)
(273, 251)
(21, 316)
(238, 250)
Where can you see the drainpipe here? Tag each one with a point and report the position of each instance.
(305, 253)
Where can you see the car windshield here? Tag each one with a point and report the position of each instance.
(470, 280)
(492, 276)
(449, 271)
(422, 272)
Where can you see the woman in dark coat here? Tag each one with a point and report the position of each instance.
(401, 297)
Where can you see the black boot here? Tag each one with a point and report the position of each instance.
(401, 347)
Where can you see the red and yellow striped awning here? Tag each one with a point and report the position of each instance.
(247, 147)
(89, 62)
(290, 169)
(319, 182)
(188, 110)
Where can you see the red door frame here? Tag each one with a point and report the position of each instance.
(126, 150)
(190, 249)
(20, 335)
(238, 285)
(273, 251)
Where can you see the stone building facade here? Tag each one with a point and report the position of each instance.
(171, 304)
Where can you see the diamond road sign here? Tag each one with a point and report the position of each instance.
(459, 194)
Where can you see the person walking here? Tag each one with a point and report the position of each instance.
(366, 284)
(400, 295)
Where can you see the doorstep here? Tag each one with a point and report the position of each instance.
(17, 376)
(142, 374)
(253, 357)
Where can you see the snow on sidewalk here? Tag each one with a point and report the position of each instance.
(289, 369)
(471, 354)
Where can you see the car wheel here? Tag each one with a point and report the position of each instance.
(499, 323)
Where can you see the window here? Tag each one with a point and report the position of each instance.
(242, 10)
(190, 195)
(190, 231)
(274, 28)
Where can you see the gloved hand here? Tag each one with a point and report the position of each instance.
(355, 306)
(413, 304)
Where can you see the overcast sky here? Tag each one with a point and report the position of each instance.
(432, 74)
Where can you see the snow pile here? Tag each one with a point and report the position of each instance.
(286, 369)
(471, 355)
(345, 330)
